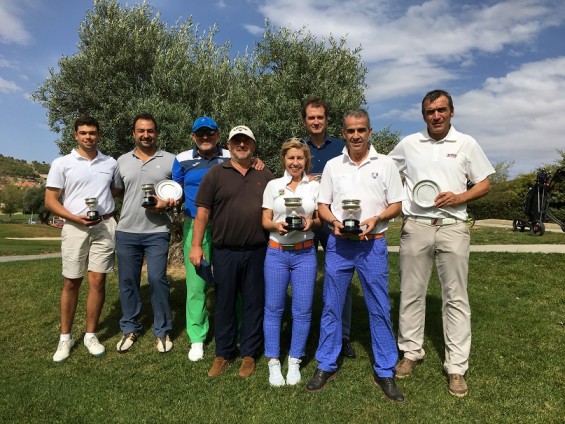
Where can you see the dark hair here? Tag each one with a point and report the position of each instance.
(314, 102)
(433, 95)
(87, 120)
(357, 113)
(145, 116)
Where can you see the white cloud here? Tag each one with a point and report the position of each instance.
(253, 29)
(6, 63)
(12, 30)
(8, 86)
(519, 116)
(407, 48)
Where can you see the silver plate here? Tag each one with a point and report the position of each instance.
(425, 192)
(168, 189)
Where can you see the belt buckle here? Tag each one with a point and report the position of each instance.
(288, 247)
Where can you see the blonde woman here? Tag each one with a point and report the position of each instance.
(291, 258)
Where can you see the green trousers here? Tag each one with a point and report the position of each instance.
(196, 312)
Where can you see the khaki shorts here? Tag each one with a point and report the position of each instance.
(95, 245)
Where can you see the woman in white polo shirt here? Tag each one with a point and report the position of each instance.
(291, 258)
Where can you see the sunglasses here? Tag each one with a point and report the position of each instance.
(203, 132)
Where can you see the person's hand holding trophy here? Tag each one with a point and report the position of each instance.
(296, 221)
(92, 215)
(161, 196)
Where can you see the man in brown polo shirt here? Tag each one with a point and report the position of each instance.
(232, 193)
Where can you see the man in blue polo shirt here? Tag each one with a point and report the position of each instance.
(189, 168)
(323, 148)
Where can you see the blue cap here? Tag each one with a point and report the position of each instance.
(204, 122)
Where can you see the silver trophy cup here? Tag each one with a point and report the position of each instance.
(294, 222)
(92, 214)
(350, 224)
(148, 192)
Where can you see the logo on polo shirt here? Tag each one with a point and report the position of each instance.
(452, 155)
(374, 175)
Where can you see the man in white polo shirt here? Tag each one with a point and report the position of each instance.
(361, 174)
(83, 173)
(436, 164)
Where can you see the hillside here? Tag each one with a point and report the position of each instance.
(20, 169)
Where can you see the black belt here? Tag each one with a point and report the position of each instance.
(107, 216)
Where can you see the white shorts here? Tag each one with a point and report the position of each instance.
(95, 245)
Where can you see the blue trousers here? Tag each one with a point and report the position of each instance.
(321, 237)
(299, 268)
(239, 272)
(131, 248)
(370, 259)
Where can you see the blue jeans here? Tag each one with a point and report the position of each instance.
(131, 248)
(299, 268)
(370, 259)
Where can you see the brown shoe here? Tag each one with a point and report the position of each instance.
(219, 366)
(457, 385)
(405, 367)
(247, 367)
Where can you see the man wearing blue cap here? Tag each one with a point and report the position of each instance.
(189, 168)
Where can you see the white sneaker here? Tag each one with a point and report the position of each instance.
(196, 352)
(63, 350)
(164, 344)
(94, 346)
(275, 375)
(293, 375)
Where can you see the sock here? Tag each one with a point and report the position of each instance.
(65, 337)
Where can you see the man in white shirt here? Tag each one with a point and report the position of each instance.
(83, 173)
(361, 174)
(436, 164)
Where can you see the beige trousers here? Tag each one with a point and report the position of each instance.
(420, 245)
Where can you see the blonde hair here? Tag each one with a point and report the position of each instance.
(299, 144)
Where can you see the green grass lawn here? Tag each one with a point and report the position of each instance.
(516, 372)
(11, 235)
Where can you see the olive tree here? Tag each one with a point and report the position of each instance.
(129, 61)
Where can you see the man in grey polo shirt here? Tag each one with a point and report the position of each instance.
(143, 232)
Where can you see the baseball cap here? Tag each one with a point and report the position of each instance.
(204, 122)
(241, 129)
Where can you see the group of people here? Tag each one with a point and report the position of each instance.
(261, 234)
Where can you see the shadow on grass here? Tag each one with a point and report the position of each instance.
(109, 327)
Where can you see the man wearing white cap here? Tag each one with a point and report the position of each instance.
(232, 192)
(189, 168)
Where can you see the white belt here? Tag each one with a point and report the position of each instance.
(435, 221)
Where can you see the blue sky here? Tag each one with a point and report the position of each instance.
(502, 61)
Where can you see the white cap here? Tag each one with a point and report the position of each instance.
(241, 129)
